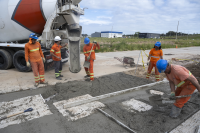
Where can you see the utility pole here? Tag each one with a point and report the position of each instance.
(177, 30)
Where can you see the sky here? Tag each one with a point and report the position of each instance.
(130, 16)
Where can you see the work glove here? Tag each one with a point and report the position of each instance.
(43, 59)
(28, 64)
(95, 41)
(172, 95)
(88, 58)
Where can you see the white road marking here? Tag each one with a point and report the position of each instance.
(153, 92)
(189, 125)
(133, 105)
(36, 102)
(77, 112)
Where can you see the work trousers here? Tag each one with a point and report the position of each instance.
(151, 66)
(187, 89)
(58, 68)
(38, 71)
(90, 71)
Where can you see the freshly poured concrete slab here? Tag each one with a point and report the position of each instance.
(36, 102)
(77, 112)
(189, 125)
(133, 105)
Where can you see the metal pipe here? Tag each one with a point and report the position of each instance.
(177, 30)
(115, 120)
(137, 62)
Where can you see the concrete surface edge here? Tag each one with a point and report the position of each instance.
(110, 95)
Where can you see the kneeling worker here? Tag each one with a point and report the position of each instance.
(183, 79)
(34, 52)
(56, 56)
(89, 52)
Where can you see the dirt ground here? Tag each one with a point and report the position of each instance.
(192, 63)
(195, 70)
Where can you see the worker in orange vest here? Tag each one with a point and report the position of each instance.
(90, 47)
(56, 56)
(33, 52)
(154, 55)
(183, 79)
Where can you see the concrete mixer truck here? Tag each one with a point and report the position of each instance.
(46, 18)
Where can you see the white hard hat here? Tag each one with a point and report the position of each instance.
(57, 38)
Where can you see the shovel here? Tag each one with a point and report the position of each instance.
(171, 100)
(87, 63)
(5, 117)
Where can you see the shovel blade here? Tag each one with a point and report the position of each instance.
(168, 101)
(86, 64)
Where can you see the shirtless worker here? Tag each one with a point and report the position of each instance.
(183, 79)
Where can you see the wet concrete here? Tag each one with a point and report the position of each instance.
(157, 119)
(152, 121)
(101, 85)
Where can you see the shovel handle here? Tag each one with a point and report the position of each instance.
(28, 110)
(183, 96)
(14, 114)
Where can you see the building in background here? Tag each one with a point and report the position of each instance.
(96, 34)
(149, 35)
(111, 34)
(84, 35)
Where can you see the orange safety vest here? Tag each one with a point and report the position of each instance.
(33, 51)
(88, 48)
(155, 54)
(56, 49)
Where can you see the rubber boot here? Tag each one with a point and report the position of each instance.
(87, 76)
(61, 75)
(45, 82)
(175, 111)
(36, 84)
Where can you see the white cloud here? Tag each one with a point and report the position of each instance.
(86, 21)
(159, 2)
(130, 16)
(104, 17)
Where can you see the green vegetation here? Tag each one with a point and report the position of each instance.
(128, 44)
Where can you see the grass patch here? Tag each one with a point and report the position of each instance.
(129, 44)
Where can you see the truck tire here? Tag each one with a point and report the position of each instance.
(5, 59)
(19, 61)
(11, 52)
